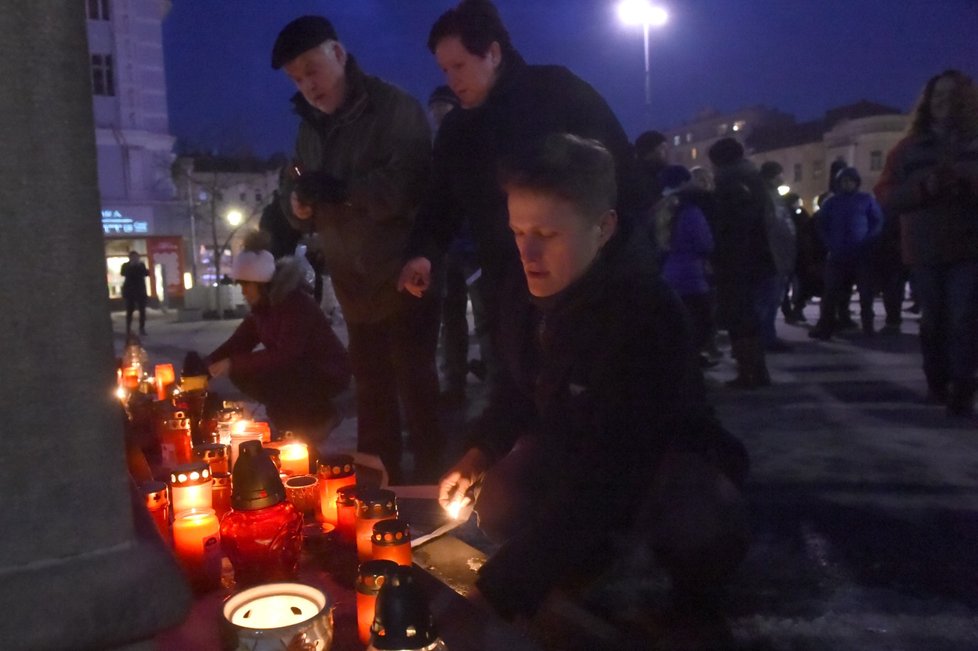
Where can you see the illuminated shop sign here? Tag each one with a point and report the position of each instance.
(115, 223)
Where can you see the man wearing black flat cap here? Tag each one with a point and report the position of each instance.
(361, 165)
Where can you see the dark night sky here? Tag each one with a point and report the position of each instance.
(801, 56)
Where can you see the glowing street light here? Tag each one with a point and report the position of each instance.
(235, 218)
(644, 13)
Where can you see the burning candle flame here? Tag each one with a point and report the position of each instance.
(455, 507)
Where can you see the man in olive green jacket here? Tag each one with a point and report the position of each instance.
(362, 164)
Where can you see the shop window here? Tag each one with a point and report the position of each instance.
(875, 161)
(689, 136)
(676, 140)
(98, 9)
(797, 172)
(103, 76)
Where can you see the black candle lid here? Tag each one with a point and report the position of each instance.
(347, 495)
(371, 576)
(334, 466)
(402, 619)
(392, 532)
(255, 483)
(376, 503)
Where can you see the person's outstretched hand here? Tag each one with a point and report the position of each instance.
(455, 484)
(415, 277)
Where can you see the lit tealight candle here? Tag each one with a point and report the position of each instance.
(295, 458)
(274, 613)
(191, 486)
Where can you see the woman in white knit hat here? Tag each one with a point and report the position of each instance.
(302, 364)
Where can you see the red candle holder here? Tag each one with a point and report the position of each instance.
(335, 472)
(346, 515)
(391, 541)
(197, 544)
(191, 487)
(221, 493)
(176, 445)
(214, 454)
(262, 534)
(158, 505)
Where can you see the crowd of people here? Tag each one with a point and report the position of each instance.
(600, 276)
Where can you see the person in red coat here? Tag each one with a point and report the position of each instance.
(302, 365)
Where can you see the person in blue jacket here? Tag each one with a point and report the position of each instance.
(849, 223)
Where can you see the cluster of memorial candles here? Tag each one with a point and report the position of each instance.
(246, 497)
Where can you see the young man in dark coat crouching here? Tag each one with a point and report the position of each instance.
(601, 430)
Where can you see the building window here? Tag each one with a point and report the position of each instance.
(103, 77)
(243, 197)
(693, 153)
(689, 136)
(818, 167)
(875, 161)
(797, 176)
(258, 196)
(722, 129)
(739, 125)
(676, 140)
(98, 9)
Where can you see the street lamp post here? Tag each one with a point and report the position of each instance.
(642, 12)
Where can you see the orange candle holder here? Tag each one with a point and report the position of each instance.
(391, 541)
(335, 472)
(346, 514)
(294, 456)
(165, 379)
(197, 544)
(176, 444)
(370, 578)
(373, 505)
(215, 455)
(191, 487)
(221, 493)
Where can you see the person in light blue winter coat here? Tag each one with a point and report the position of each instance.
(849, 223)
(685, 242)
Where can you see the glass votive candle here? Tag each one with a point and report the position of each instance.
(226, 418)
(241, 432)
(165, 378)
(158, 505)
(303, 492)
(176, 444)
(391, 541)
(221, 493)
(346, 514)
(370, 578)
(373, 505)
(294, 457)
(131, 376)
(215, 455)
(335, 472)
(191, 486)
(197, 544)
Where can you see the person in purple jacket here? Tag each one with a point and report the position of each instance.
(302, 365)
(849, 223)
(685, 242)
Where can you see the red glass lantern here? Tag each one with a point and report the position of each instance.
(197, 544)
(215, 454)
(221, 493)
(373, 505)
(262, 534)
(335, 472)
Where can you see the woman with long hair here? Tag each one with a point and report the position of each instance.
(931, 181)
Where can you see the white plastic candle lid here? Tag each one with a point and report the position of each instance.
(274, 605)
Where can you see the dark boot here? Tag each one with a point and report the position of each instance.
(961, 399)
(761, 375)
(751, 367)
(868, 329)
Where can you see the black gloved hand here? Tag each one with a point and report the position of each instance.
(320, 187)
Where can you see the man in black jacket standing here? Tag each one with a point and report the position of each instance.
(505, 105)
(594, 431)
(362, 162)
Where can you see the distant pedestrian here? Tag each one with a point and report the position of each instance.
(650, 155)
(849, 223)
(742, 261)
(809, 275)
(782, 240)
(931, 181)
(134, 275)
(685, 243)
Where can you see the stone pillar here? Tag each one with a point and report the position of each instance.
(77, 569)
